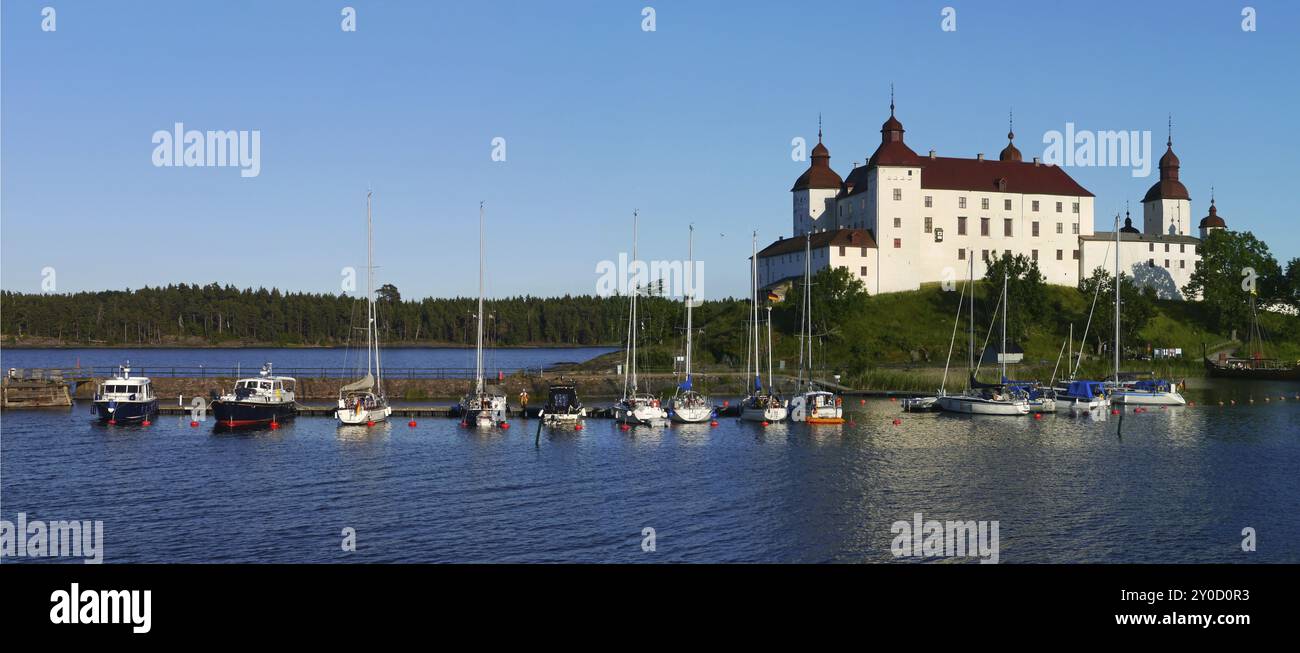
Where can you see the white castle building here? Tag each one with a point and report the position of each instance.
(905, 219)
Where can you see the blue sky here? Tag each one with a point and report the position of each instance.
(689, 123)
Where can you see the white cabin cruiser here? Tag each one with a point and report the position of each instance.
(125, 398)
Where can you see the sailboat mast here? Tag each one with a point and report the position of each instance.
(769, 349)
(1116, 299)
(1005, 277)
(478, 357)
(690, 269)
(372, 326)
(805, 324)
(636, 290)
(370, 288)
(753, 306)
(970, 365)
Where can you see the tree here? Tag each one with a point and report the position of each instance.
(1026, 292)
(388, 293)
(836, 295)
(1233, 266)
(1137, 307)
(1289, 290)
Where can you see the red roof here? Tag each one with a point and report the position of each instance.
(837, 237)
(949, 173)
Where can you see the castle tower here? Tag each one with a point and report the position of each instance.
(1212, 221)
(814, 191)
(1167, 208)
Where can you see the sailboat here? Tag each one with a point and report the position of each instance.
(1150, 392)
(927, 403)
(484, 407)
(986, 399)
(760, 406)
(687, 405)
(812, 405)
(1257, 366)
(1074, 395)
(636, 408)
(363, 401)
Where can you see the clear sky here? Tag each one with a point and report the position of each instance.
(689, 123)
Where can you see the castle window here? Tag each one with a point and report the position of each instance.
(1033, 254)
(1151, 247)
(1076, 254)
(1182, 249)
(1035, 206)
(841, 250)
(1151, 262)
(1035, 229)
(1166, 263)
(984, 226)
(898, 243)
(1060, 255)
(961, 202)
(863, 272)
(1060, 227)
(864, 252)
(929, 201)
(1166, 248)
(1058, 207)
(1074, 228)
(929, 225)
(1076, 207)
(961, 225)
(984, 203)
(1006, 227)
(898, 223)
(961, 254)
(1182, 264)
(984, 254)
(898, 194)
(1006, 205)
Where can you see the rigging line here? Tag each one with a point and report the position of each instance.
(953, 342)
(1084, 340)
(989, 334)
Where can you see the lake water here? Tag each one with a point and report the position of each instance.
(1175, 485)
(251, 359)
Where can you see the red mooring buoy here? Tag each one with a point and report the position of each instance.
(577, 427)
(411, 423)
(193, 423)
(146, 423)
(275, 425)
(713, 423)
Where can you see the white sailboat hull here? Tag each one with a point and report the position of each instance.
(641, 415)
(1140, 398)
(351, 416)
(690, 414)
(980, 406)
(1078, 405)
(804, 408)
(768, 414)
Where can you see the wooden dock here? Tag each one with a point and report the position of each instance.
(34, 393)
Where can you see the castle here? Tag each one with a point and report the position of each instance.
(904, 219)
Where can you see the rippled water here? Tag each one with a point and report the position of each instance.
(1174, 485)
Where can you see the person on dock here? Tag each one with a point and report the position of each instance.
(523, 402)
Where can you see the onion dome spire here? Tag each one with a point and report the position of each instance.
(1213, 220)
(1010, 153)
(1168, 187)
(819, 174)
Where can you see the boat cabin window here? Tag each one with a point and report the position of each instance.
(266, 385)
